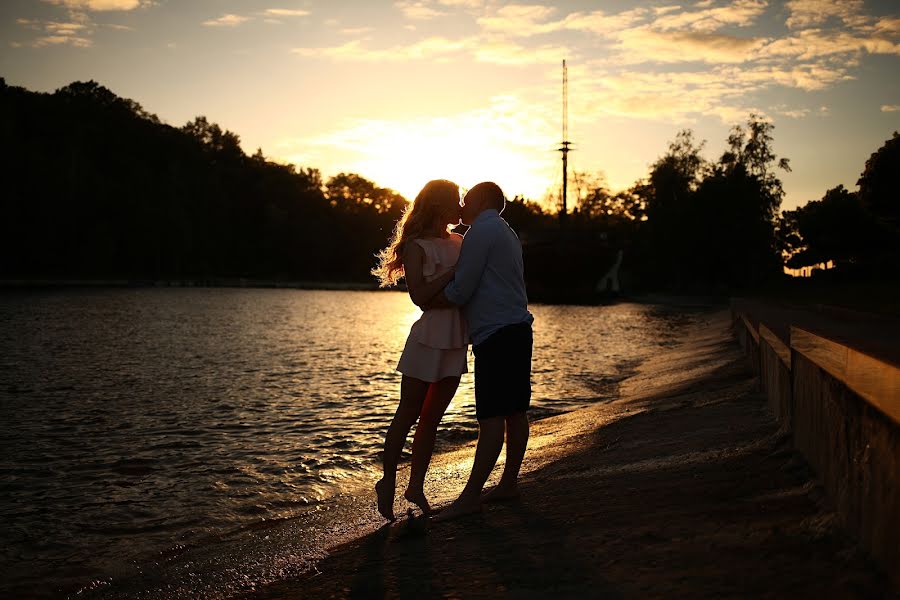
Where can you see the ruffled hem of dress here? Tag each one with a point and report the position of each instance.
(432, 364)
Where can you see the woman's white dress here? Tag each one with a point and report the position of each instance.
(437, 342)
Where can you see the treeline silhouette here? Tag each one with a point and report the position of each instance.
(699, 226)
(859, 232)
(690, 226)
(98, 188)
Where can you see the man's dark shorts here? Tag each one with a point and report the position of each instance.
(503, 372)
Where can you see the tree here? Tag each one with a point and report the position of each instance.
(100, 188)
(364, 216)
(674, 176)
(834, 228)
(737, 209)
(353, 193)
(597, 205)
(750, 151)
(212, 138)
(667, 198)
(97, 96)
(879, 186)
(526, 216)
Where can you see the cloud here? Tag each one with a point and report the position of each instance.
(815, 43)
(661, 10)
(806, 77)
(442, 49)
(64, 28)
(663, 62)
(887, 26)
(58, 33)
(464, 3)
(740, 13)
(356, 30)
(890, 108)
(694, 36)
(99, 5)
(228, 20)
(507, 53)
(674, 97)
(428, 48)
(798, 113)
(809, 13)
(286, 12)
(418, 10)
(643, 44)
(721, 91)
(519, 20)
(600, 23)
(59, 40)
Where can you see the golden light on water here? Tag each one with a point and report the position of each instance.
(405, 323)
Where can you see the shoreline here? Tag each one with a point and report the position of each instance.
(687, 301)
(269, 550)
(211, 282)
(681, 487)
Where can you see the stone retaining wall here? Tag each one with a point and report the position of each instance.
(842, 408)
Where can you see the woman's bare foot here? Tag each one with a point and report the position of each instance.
(384, 489)
(419, 499)
(501, 493)
(459, 508)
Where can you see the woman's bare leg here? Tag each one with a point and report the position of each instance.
(412, 397)
(436, 402)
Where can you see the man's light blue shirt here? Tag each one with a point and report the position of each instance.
(490, 278)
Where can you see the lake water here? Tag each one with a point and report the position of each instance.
(141, 423)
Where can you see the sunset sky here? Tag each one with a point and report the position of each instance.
(403, 92)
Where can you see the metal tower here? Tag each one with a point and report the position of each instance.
(564, 147)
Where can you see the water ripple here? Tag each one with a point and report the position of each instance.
(138, 423)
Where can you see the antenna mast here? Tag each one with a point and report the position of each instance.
(564, 148)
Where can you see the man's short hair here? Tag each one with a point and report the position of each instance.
(492, 195)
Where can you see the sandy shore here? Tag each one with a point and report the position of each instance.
(681, 488)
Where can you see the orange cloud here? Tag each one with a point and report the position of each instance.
(740, 13)
(99, 5)
(228, 20)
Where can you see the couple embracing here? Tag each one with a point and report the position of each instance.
(468, 288)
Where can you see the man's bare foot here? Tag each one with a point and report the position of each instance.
(501, 493)
(419, 499)
(384, 489)
(458, 508)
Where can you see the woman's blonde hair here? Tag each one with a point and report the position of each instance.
(416, 219)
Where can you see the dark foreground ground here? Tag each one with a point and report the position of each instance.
(684, 488)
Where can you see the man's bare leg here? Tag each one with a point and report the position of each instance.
(516, 444)
(490, 441)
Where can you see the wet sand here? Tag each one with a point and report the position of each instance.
(682, 488)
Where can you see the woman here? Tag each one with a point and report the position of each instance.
(424, 252)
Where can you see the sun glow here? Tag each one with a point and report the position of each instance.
(506, 143)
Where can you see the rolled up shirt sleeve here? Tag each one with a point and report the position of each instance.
(470, 266)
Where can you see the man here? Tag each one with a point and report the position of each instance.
(490, 286)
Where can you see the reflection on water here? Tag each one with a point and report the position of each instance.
(137, 421)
